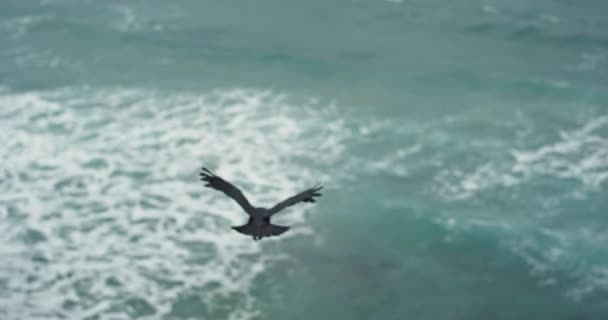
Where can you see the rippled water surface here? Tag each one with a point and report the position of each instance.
(463, 147)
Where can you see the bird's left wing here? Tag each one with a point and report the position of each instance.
(217, 183)
(304, 196)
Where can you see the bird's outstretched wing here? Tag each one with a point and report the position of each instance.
(304, 196)
(217, 183)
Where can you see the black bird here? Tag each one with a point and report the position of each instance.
(259, 225)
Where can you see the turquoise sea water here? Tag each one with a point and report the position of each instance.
(463, 146)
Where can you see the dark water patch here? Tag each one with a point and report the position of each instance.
(198, 252)
(41, 166)
(530, 33)
(154, 203)
(112, 281)
(139, 308)
(97, 163)
(163, 281)
(137, 175)
(33, 237)
(39, 258)
(189, 305)
(413, 270)
(69, 305)
(198, 302)
(573, 40)
(210, 221)
(73, 186)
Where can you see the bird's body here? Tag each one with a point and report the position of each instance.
(259, 225)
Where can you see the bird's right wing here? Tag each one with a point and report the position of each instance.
(304, 196)
(217, 183)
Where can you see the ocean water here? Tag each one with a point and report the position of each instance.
(463, 146)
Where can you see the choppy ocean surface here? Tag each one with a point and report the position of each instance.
(463, 146)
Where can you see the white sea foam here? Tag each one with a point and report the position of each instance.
(580, 155)
(394, 163)
(128, 21)
(101, 202)
(19, 26)
(549, 18)
(489, 9)
(590, 61)
(577, 163)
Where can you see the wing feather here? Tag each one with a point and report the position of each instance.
(213, 181)
(304, 196)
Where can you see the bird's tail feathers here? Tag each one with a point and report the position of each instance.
(267, 230)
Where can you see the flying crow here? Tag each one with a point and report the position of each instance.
(259, 225)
